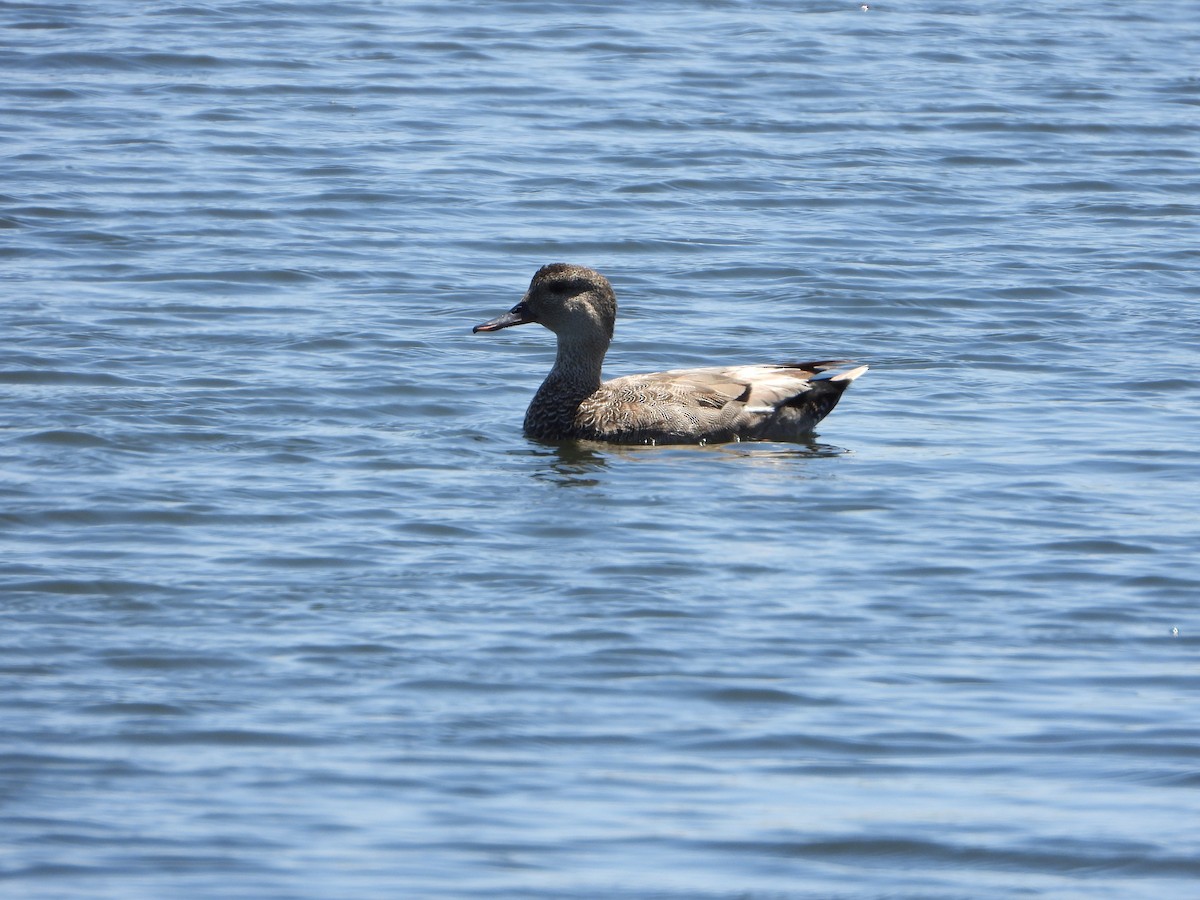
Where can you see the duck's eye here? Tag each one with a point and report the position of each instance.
(567, 288)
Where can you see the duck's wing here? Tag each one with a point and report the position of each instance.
(756, 402)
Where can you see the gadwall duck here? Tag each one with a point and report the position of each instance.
(683, 406)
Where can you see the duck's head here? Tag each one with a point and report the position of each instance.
(572, 301)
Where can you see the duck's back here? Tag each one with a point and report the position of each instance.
(756, 402)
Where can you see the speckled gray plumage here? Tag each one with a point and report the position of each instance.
(681, 406)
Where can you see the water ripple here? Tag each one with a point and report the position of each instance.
(292, 609)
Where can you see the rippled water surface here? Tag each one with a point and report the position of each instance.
(291, 609)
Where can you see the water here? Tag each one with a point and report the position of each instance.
(292, 610)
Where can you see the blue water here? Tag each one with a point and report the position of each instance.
(292, 611)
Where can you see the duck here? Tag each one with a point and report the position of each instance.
(717, 404)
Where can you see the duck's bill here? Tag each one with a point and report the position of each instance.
(518, 315)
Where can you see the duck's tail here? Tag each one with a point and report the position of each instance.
(849, 376)
(799, 414)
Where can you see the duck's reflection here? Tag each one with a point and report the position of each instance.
(572, 463)
(581, 463)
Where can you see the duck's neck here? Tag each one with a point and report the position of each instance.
(574, 378)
